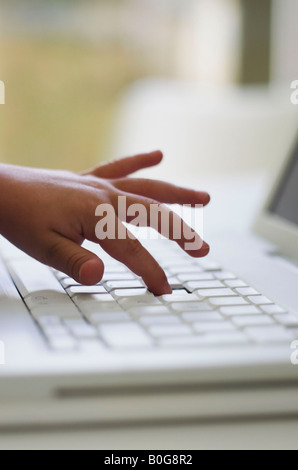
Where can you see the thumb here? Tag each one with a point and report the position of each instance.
(70, 258)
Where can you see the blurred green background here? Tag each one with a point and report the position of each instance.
(61, 97)
(66, 63)
(62, 83)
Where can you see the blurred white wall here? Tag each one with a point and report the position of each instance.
(206, 130)
(209, 41)
(222, 128)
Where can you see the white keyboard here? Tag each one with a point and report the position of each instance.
(209, 307)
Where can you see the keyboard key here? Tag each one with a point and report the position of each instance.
(89, 308)
(228, 338)
(63, 343)
(49, 320)
(32, 277)
(70, 322)
(271, 309)
(113, 285)
(246, 291)
(206, 293)
(177, 297)
(170, 259)
(82, 300)
(159, 320)
(83, 330)
(61, 310)
(188, 269)
(140, 301)
(186, 341)
(8, 290)
(59, 275)
(191, 317)
(287, 319)
(170, 330)
(47, 302)
(191, 307)
(233, 283)
(111, 317)
(177, 264)
(124, 293)
(240, 310)
(115, 268)
(195, 285)
(209, 265)
(118, 277)
(224, 275)
(254, 320)
(229, 301)
(195, 277)
(210, 340)
(270, 334)
(54, 330)
(151, 310)
(259, 300)
(178, 292)
(75, 290)
(175, 283)
(69, 282)
(125, 335)
(206, 327)
(91, 346)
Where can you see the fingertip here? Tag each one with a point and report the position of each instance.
(91, 272)
(207, 199)
(168, 289)
(164, 289)
(201, 252)
(205, 250)
(203, 198)
(157, 155)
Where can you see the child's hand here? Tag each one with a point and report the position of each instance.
(48, 214)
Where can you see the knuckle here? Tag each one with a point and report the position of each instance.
(51, 252)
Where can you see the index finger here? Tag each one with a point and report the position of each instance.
(131, 252)
(162, 191)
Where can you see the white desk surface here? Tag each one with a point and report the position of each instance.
(230, 197)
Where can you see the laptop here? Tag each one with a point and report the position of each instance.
(223, 345)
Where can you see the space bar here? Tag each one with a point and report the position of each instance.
(32, 277)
